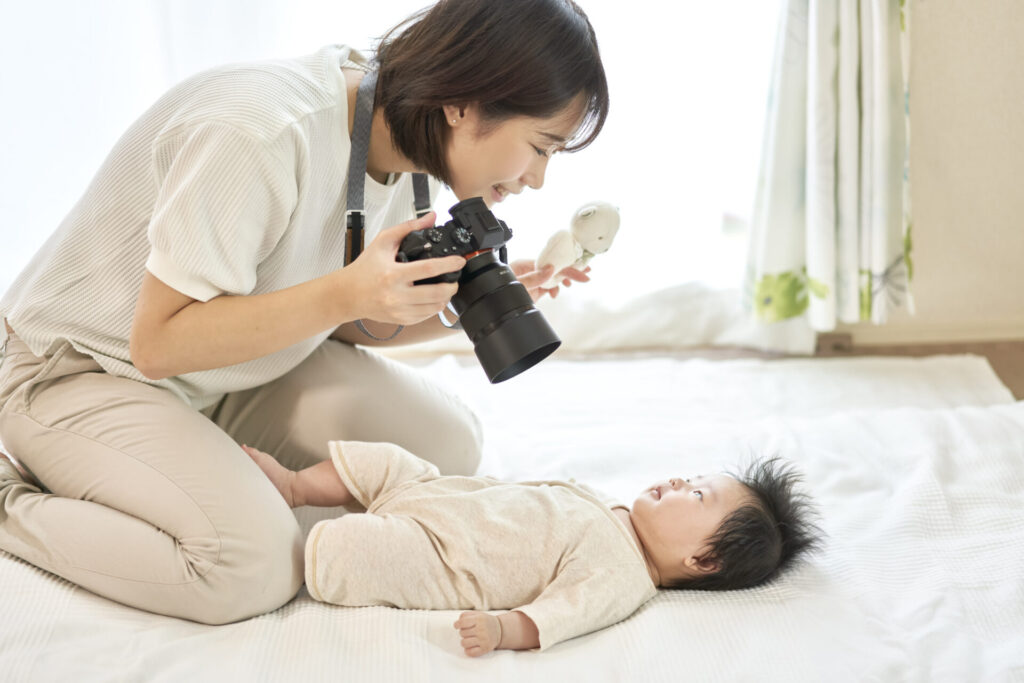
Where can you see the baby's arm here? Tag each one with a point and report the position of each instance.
(318, 485)
(482, 632)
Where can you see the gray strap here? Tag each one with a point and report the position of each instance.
(357, 166)
(371, 335)
(354, 215)
(421, 193)
(361, 126)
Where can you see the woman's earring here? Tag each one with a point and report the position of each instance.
(454, 121)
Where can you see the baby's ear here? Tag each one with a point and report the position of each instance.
(705, 564)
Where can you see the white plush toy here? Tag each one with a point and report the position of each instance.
(591, 232)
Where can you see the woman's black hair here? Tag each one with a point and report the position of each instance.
(510, 57)
(762, 537)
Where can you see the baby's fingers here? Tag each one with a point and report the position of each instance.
(465, 621)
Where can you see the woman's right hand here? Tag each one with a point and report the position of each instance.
(381, 288)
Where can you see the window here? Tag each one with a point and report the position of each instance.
(680, 150)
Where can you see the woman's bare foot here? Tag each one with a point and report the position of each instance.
(279, 475)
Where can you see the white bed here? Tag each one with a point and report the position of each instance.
(917, 465)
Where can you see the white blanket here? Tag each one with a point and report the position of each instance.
(917, 465)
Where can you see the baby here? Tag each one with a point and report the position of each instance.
(564, 559)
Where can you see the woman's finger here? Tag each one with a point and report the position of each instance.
(536, 278)
(571, 273)
(432, 267)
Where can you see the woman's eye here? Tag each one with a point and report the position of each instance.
(540, 152)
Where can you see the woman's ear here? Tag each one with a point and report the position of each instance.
(455, 114)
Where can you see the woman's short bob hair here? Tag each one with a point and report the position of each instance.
(509, 57)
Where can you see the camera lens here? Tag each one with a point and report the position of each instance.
(509, 334)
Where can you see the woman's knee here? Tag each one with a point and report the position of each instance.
(255, 573)
(356, 394)
(460, 445)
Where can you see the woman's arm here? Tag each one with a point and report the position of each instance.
(527, 274)
(173, 334)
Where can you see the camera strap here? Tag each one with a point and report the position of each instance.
(355, 221)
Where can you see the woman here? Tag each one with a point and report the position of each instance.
(195, 298)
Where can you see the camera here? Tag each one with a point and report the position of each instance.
(509, 334)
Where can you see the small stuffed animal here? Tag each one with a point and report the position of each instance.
(591, 232)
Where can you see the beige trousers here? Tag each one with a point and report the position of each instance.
(153, 504)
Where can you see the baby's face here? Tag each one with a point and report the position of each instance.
(675, 518)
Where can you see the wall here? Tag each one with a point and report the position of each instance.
(967, 166)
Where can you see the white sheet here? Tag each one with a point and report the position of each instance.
(917, 466)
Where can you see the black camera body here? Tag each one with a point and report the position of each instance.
(472, 228)
(509, 334)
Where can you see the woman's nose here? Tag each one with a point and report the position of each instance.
(534, 176)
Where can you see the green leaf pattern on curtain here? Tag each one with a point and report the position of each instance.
(831, 231)
(786, 295)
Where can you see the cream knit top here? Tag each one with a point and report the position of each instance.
(233, 182)
(553, 550)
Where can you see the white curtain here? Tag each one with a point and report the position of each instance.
(831, 232)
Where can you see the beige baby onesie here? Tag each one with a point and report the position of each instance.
(553, 550)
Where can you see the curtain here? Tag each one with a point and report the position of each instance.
(831, 229)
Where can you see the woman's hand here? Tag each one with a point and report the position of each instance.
(526, 272)
(480, 632)
(380, 288)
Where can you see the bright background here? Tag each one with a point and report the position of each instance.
(678, 155)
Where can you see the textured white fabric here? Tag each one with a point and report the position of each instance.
(921, 579)
(232, 183)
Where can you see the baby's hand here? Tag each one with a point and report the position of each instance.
(280, 476)
(480, 632)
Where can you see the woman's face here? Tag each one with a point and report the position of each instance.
(494, 160)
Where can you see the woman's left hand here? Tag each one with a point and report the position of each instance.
(526, 272)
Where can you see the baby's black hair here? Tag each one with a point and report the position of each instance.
(762, 537)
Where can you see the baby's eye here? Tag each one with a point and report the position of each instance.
(699, 494)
